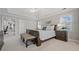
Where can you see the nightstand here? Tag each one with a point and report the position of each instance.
(61, 35)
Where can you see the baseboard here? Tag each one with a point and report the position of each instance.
(73, 40)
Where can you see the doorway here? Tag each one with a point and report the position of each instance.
(8, 26)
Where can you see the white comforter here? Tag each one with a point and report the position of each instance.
(46, 34)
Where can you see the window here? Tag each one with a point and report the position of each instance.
(66, 23)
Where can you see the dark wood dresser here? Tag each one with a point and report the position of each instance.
(61, 35)
(1, 39)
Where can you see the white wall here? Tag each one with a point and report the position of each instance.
(26, 24)
(31, 24)
(22, 26)
(75, 25)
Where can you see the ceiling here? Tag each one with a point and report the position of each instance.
(35, 12)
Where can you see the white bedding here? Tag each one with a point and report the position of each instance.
(46, 34)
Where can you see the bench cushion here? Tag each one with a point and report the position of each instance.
(27, 36)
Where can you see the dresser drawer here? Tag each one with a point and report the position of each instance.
(61, 35)
(61, 32)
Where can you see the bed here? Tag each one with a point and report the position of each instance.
(43, 35)
(46, 34)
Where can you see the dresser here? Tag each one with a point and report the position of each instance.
(61, 35)
(1, 39)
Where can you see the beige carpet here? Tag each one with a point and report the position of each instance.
(15, 44)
